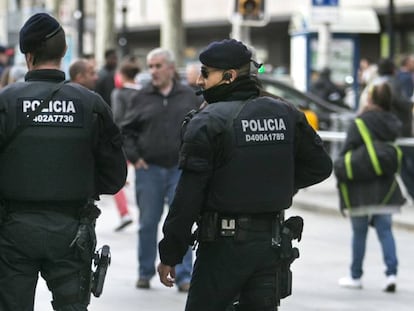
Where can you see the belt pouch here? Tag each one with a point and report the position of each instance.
(209, 227)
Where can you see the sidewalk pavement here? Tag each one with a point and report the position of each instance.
(323, 197)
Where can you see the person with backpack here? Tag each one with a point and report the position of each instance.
(366, 172)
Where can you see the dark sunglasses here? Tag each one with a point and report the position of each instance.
(205, 73)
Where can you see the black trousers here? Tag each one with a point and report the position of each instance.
(227, 269)
(38, 242)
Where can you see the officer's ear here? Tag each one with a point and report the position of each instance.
(229, 75)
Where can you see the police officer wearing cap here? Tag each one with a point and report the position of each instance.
(59, 150)
(243, 157)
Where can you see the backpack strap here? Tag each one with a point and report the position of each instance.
(366, 136)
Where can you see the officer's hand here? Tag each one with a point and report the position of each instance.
(166, 274)
(141, 164)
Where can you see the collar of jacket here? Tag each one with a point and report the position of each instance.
(242, 88)
(152, 89)
(45, 75)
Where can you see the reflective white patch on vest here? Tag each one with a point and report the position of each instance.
(262, 130)
(59, 106)
(263, 125)
(57, 112)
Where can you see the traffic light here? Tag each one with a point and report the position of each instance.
(251, 10)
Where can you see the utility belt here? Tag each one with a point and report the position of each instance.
(213, 225)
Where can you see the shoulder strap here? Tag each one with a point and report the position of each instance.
(31, 115)
(236, 113)
(366, 136)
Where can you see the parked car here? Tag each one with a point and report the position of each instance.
(330, 116)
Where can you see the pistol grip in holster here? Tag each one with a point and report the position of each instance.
(101, 261)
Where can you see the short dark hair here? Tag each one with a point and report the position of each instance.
(77, 67)
(52, 49)
(129, 69)
(386, 67)
(382, 95)
(110, 52)
(405, 60)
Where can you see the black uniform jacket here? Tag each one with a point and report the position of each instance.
(272, 154)
(72, 150)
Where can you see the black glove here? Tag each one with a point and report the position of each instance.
(293, 227)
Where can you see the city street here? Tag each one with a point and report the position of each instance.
(325, 255)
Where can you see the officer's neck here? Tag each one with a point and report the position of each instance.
(45, 65)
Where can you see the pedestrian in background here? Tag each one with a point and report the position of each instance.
(325, 88)
(106, 81)
(371, 193)
(4, 59)
(13, 73)
(402, 107)
(243, 157)
(367, 72)
(59, 151)
(152, 132)
(83, 72)
(405, 76)
(192, 71)
(127, 88)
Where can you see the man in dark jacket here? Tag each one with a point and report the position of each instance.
(152, 131)
(59, 150)
(243, 157)
(106, 82)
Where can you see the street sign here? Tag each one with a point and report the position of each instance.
(325, 2)
(324, 11)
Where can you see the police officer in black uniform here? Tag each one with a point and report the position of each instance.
(59, 150)
(243, 157)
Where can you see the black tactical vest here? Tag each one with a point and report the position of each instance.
(254, 173)
(52, 159)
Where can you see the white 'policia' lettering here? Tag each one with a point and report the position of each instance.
(263, 125)
(55, 106)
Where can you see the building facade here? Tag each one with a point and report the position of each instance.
(205, 21)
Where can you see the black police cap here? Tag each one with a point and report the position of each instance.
(225, 54)
(37, 29)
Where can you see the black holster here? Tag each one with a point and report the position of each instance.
(85, 243)
(85, 239)
(208, 227)
(291, 229)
